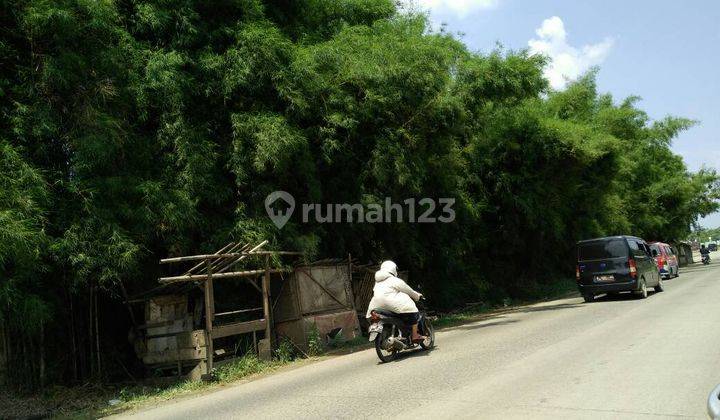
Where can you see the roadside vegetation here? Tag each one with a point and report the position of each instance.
(704, 235)
(131, 131)
(98, 401)
(95, 402)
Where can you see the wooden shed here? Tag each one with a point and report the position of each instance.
(317, 299)
(185, 328)
(684, 253)
(172, 336)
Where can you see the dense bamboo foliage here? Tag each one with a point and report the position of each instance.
(133, 130)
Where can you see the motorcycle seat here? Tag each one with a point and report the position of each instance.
(383, 312)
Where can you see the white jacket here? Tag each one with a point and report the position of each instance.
(392, 294)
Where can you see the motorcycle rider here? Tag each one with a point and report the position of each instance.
(704, 252)
(392, 294)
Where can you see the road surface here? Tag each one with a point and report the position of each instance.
(613, 358)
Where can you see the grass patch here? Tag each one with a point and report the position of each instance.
(458, 318)
(353, 344)
(555, 289)
(134, 396)
(126, 398)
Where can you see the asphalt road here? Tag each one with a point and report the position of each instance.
(613, 358)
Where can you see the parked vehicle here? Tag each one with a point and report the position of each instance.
(616, 264)
(391, 333)
(713, 403)
(713, 247)
(665, 259)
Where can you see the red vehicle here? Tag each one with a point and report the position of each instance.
(665, 259)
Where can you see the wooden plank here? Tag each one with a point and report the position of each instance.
(156, 324)
(234, 274)
(161, 335)
(238, 328)
(266, 302)
(190, 339)
(220, 262)
(209, 314)
(192, 258)
(275, 253)
(208, 256)
(175, 355)
(240, 311)
(231, 245)
(237, 260)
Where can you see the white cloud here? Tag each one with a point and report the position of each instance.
(567, 62)
(459, 8)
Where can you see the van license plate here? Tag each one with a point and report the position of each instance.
(604, 279)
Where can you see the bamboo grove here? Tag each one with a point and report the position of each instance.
(132, 130)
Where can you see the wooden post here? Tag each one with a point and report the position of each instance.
(266, 302)
(255, 347)
(350, 283)
(209, 315)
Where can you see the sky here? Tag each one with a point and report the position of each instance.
(666, 52)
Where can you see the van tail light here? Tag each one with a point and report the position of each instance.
(660, 261)
(633, 268)
(577, 272)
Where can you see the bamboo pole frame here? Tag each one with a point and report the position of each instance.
(209, 315)
(233, 274)
(229, 255)
(215, 266)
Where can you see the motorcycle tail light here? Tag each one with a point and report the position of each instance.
(374, 317)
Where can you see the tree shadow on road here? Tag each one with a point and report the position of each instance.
(479, 325)
(695, 268)
(481, 322)
(475, 322)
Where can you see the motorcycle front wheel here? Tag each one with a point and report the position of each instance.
(383, 354)
(429, 332)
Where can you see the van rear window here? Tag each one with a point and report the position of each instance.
(600, 250)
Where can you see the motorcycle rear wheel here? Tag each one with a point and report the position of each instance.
(385, 356)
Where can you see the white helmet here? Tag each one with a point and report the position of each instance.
(389, 267)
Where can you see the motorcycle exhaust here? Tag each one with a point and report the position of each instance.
(396, 343)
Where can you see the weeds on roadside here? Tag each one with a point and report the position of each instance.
(285, 351)
(315, 343)
(245, 366)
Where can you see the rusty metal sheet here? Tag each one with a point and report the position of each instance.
(287, 306)
(347, 320)
(323, 288)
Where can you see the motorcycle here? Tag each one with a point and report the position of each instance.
(392, 334)
(706, 259)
